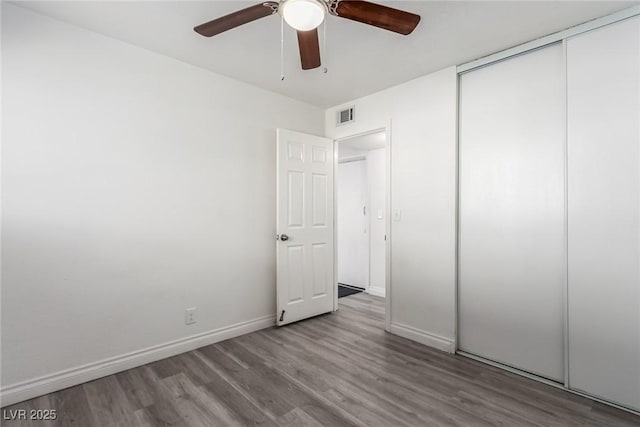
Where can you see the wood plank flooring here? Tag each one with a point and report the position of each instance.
(339, 369)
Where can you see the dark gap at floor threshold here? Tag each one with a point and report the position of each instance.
(346, 290)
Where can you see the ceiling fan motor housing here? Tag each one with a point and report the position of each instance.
(303, 15)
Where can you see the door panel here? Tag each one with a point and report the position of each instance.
(320, 208)
(296, 199)
(512, 251)
(295, 273)
(321, 259)
(603, 69)
(305, 261)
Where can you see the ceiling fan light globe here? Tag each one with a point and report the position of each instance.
(303, 15)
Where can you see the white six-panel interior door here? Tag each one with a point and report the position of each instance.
(305, 225)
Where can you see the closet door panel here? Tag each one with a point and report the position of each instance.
(512, 261)
(603, 74)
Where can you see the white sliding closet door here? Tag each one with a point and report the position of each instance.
(603, 71)
(512, 245)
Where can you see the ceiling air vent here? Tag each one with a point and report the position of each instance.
(345, 116)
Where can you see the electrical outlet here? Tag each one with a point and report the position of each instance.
(190, 316)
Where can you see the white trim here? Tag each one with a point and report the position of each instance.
(376, 292)
(456, 280)
(335, 224)
(387, 267)
(45, 384)
(423, 337)
(544, 381)
(550, 39)
(565, 294)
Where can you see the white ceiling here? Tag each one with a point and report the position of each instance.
(366, 142)
(361, 59)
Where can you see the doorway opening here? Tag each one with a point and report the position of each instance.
(362, 200)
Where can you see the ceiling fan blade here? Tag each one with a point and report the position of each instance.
(309, 49)
(378, 15)
(236, 19)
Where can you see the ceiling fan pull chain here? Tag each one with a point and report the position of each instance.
(281, 48)
(324, 45)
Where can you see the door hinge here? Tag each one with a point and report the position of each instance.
(282, 316)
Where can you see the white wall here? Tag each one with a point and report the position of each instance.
(377, 203)
(423, 186)
(352, 224)
(134, 186)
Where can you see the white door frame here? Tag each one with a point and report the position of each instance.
(387, 130)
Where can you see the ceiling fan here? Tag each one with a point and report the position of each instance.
(306, 15)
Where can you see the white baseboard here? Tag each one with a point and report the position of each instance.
(29, 389)
(423, 337)
(377, 292)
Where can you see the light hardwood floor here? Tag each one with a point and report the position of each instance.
(339, 369)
